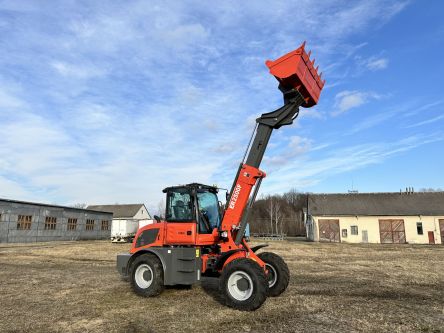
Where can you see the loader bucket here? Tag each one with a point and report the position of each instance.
(295, 70)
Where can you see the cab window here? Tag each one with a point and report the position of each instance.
(209, 210)
(179, 206)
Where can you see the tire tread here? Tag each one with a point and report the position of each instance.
(157, 286)
(259, 280)
(282, 269)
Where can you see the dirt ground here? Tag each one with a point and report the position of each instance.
(74, 287)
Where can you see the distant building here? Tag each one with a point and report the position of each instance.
(415, 218)
(126, 219)
(23, 222)
(124, 212)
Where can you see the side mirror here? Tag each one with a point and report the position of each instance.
(227, 195)
(157, 218)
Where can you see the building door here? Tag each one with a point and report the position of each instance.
(441, 229)
(392, 231)
(329, 231)
(431, 237)
(364, 236)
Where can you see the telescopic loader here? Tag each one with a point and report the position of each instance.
(198, 239)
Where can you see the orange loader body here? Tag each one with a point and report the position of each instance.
(195, 240)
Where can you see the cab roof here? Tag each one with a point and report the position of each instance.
(191, 186)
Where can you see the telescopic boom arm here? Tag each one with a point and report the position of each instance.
(301, 86)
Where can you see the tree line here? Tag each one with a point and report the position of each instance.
(279, 214)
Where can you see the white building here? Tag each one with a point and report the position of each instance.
(415, 218)
(126, 219)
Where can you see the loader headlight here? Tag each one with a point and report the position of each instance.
(224, 234)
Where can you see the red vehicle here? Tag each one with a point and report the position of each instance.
(198, 238)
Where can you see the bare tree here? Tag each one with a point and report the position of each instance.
(277, 215)
(292, 196)
(267, 217)
(161, 208)
(270, 210)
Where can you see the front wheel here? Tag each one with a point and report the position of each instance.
(146, 275)
(278, 273)
(243, 285)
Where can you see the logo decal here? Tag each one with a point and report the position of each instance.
(234, 196)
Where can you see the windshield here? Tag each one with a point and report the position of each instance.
(209, 208)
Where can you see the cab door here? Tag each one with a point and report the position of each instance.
(181, 233)
(181, 223)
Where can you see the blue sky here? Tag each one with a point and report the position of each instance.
(105, 102)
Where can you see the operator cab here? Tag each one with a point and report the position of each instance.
(191, 203)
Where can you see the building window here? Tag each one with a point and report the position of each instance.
(354, 230)
(89, 224)
(105, 225)
(344, 233)
(24, 222)
(72, 224)
(50, 223)
(419, 229)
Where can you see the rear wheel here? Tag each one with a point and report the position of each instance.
(278, 273)
(243, 285)
(146, 275)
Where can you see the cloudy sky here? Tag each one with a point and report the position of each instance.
(105, 102)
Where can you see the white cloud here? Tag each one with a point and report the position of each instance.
(370, 122)
(425, 122)
(422, 108)
(145, 95)
(347, 100)
(350, 99)
(295, 146)
(299, 145)
(77, 71)
(307, 172)
(12, 190)
(375, 64)
(355, 17)
(8, 100)
(381, 116)
(11, 95)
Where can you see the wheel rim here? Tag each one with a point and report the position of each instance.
(240, 285)
(272, 275)
(143, 276)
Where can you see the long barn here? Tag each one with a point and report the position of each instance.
(24, 222)
(416, 218)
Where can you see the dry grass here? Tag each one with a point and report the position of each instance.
(74, 287)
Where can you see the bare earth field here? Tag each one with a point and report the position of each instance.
(74, 287)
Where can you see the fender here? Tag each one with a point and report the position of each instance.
(221, 260)
(139, 253)
(258, 247)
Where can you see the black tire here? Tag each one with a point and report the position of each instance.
(276, 265)
(252, 278)
(146, 275)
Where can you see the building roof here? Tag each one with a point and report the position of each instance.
(377, 204)
(119, 211)
(88, 209)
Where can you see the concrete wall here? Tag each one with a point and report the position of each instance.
(9, 215)
(371, 225)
